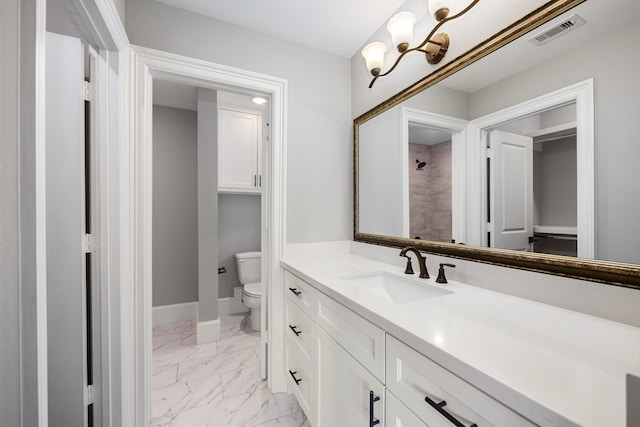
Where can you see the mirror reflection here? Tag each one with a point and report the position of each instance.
(515, 178)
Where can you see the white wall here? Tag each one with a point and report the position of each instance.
(175, 206)
(319, 144)
(10, 389)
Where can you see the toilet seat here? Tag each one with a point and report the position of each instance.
(253, 289)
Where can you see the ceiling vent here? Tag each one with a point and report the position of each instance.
(552, 33)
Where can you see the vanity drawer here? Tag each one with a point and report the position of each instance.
(299, 328)
(299, 373)
(361, 338)
(412, 377)
(300, 292)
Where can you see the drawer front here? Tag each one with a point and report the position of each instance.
(299, 373)
(412, 377)
(299, 328)
(361, 338)
(300, 292)
(398, 415)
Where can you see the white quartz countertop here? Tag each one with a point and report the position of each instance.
(554, 366)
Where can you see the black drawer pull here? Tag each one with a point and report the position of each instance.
(295, 291)
(293, 375)
(372, 399)
(438, 407)
(293, 328)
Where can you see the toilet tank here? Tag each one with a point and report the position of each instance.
(248, 264)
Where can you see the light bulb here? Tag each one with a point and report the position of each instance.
(440, 8)
(258, 100)
(373, 54)
(401, 29)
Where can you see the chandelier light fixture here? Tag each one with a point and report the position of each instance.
(400, 27)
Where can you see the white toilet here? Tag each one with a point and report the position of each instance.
(248, 264)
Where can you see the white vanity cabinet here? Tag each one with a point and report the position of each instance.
(239, 151)
(299, 343)
(433, 393)
(340, 378)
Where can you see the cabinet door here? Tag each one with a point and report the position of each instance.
(238, 145)
(398, 415)
(343, 388)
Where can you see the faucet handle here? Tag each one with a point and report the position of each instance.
(409, 268)
(441, 277)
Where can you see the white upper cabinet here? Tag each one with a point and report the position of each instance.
(239, 151)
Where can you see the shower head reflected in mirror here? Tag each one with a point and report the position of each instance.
(420, 164)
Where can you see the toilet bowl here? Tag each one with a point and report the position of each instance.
(249, 266)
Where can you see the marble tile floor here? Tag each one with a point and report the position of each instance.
(215, 384)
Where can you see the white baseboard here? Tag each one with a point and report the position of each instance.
(189, 310)
(208, 332)
(174, 313)
(232, 305)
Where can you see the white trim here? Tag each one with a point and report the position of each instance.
(40, 185)
(232, 305)
(208, 331)
(580, 93)
(459, 141)
(145, 65)
(175, 313)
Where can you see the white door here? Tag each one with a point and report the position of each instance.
(72, 298)
(344, 388)
(511, 190)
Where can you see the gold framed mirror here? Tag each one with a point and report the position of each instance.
(609, 270)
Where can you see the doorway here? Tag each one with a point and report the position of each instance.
(150, 65)
(507, 128)
(444, 140)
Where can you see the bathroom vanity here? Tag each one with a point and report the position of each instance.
(368, 345)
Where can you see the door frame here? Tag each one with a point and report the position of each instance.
(147, 64)
(100, 25)
(582, 94)
(459, 141)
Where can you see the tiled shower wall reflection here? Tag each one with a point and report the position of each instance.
(430, 192)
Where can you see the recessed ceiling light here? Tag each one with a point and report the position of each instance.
(259, 100)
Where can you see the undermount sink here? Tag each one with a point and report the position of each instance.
(394, 288)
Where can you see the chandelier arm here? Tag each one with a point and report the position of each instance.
(445, 20)
(426, 40)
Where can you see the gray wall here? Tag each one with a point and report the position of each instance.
(555, 182)
(175, 203)
(207, 199)
(617, 109)
(319, 144)
(238, 231)
(10, 389)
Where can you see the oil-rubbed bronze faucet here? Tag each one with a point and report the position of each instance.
(424, 274)
(441, 276)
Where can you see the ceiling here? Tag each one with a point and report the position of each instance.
(340, 27)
